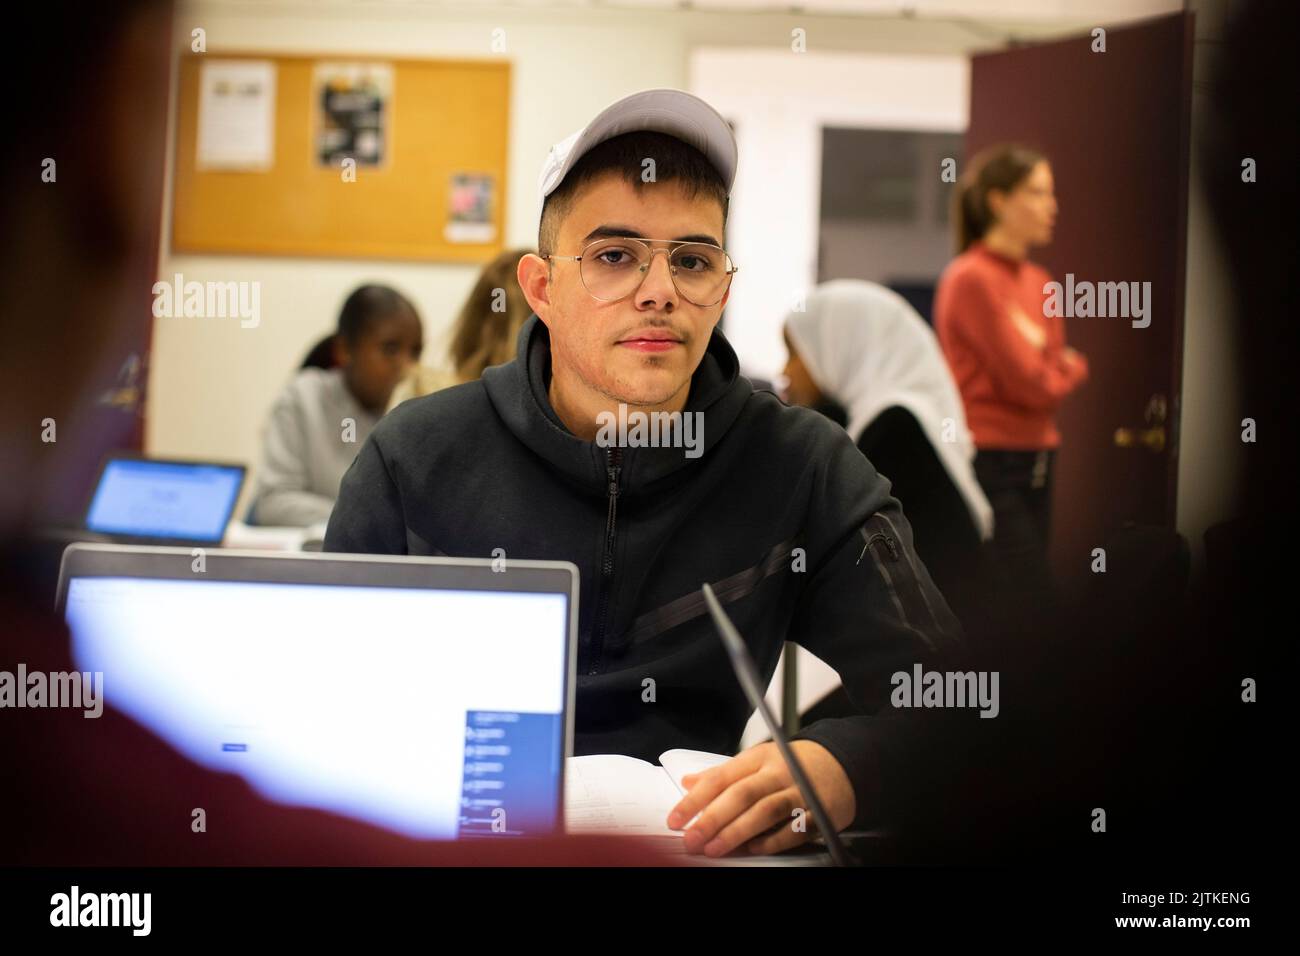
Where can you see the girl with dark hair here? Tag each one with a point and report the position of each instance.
(325, 414)
(1008, 357)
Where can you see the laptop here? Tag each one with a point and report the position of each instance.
(430, 696)
(162, 501)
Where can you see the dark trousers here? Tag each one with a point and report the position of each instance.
(1018, 485)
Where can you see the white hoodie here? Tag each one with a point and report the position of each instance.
(307, 446)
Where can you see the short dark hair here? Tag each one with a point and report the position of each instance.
(366, 304)
(674, 161)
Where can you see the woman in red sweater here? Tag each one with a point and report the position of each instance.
(1009, 359)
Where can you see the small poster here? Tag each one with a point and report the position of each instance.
(353, 112)
(469, 211)
(236, 115)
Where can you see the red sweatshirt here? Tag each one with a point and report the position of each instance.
(1008, 359)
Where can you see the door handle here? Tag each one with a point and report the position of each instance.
(1153, 439)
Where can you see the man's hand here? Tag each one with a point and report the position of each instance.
(750, 801)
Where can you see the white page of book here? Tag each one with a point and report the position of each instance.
(678, 763)
(621, 794)
(616, 793)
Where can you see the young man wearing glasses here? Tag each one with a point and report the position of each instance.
(796, 532)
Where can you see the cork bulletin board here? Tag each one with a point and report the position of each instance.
(436, 192)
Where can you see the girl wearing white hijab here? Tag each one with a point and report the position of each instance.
(861, 346)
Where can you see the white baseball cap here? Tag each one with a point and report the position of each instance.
(675, 112)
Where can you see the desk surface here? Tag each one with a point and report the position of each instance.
(809, 855)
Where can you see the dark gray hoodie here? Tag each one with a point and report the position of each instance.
(781, 513)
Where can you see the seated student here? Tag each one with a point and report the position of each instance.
(484, 333)
(326, 413)
(860, 348)
(770, 504)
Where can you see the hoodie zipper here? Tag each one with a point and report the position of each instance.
(913, 595)
(878, 556)
(889, 543)
(613, 465)
(914, 578)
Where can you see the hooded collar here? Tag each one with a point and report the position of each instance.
(518, 392)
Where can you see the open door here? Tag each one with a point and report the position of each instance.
(1115, 126)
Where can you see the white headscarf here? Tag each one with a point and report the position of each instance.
(866, 348)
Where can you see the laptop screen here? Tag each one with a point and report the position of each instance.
(434, 713)
(164, 499)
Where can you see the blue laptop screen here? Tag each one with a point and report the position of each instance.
(161, 499)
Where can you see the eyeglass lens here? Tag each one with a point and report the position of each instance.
(613, 268)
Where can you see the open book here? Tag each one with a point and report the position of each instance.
(620, 794)
(613, 793)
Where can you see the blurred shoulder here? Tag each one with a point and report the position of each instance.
(965, 268)
(423, 380)
(794, 429)
(311, 386)
(448, 413)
